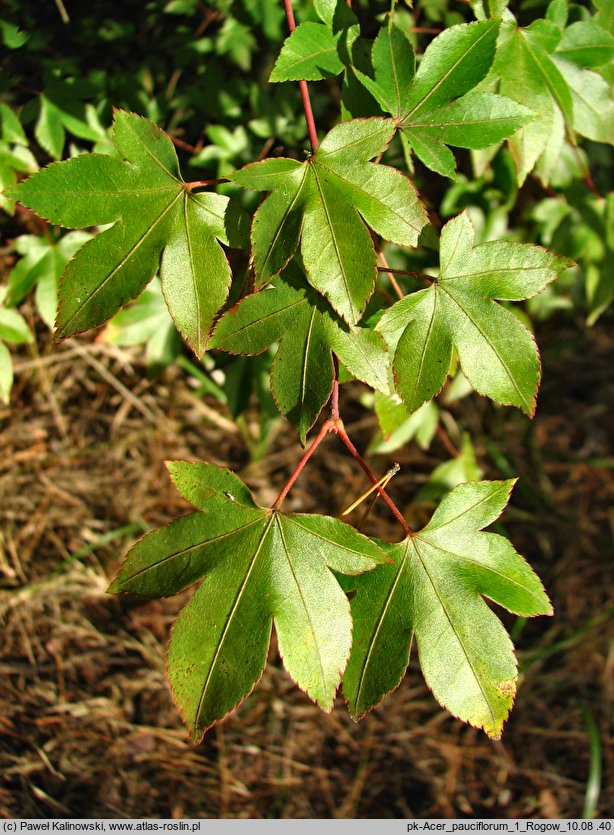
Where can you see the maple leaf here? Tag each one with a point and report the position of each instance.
(546, 68)
(290, 312)
(325, 203)
(157, 223)
(435, 108)
(433, 593)
(497, 353)
(528, 75)
(259, 566)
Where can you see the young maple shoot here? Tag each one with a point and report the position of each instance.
(313, 252)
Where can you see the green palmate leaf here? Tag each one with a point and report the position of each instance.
(318, 50)
(475, 121)
(435, 108)
(451, 66)
(545, 70)
(325, 203)
(530, 77)
(497, 353)
(157, 223)
(433, 594)
(260, 567)
(289, 312)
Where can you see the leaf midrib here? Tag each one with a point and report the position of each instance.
(469, 509)
(192, 273)
(231, 613)
(461, 124)
(380, 621)
(293, 520)
(183, 551)
(493, 272)
(353, 310)
(554, 94)
(145, 147)
(423, 354)
(463, 558)
(393, 64)
(414, 542)
(370, 196)
(421, 103)
(96, 191)
(305, 361)
(312, 55)
(305, 607)
(283, 221)
(280, 312)
(323, 152)
(375, 371)
(492, 345)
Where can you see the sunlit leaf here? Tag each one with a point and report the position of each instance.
(327, 203)
(497, 353)
(260, 567)
(158, 223)
(433, 594)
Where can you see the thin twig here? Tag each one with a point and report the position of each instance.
(205, 183)
(334, 398)
(266, 148)
(311, 125)
(338, 428)
(374, 479)
(445, 440)
(411, 273)
(62, 10)
(393, 281)
(326, 428)
(588, 180)
(185, 146)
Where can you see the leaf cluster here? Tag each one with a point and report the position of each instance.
(279, 272)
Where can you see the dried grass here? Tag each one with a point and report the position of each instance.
(87, 727)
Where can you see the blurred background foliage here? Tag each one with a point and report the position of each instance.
(200, 70)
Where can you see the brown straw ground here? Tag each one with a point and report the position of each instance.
(87, 727)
